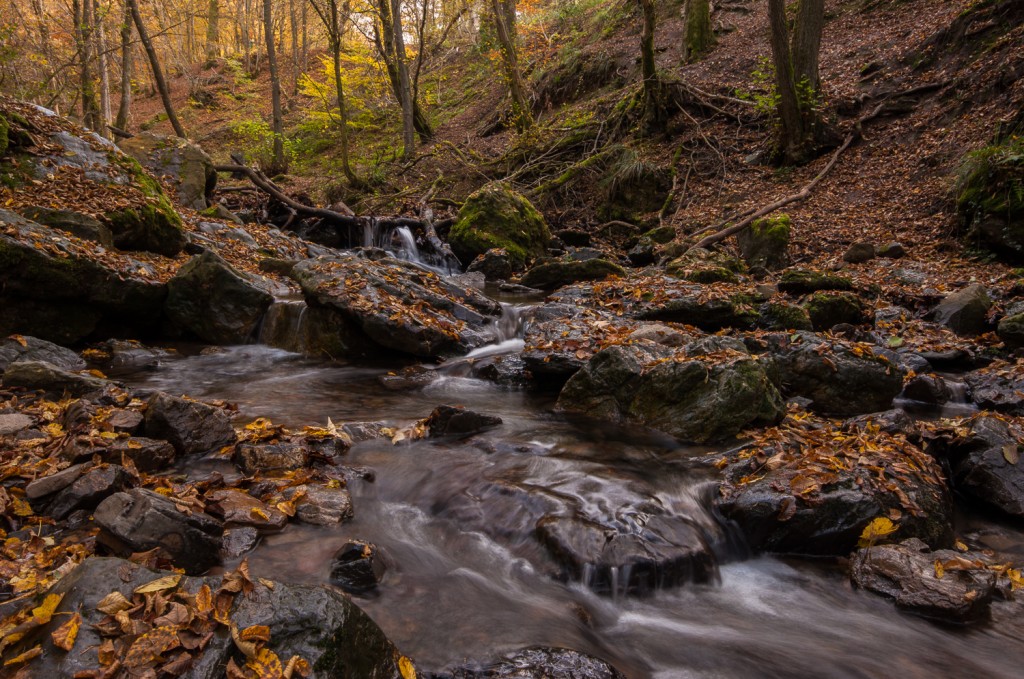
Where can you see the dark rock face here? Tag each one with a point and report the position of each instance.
(34, 349)
(212, 300)
(357, 567)
(986, 462)
(562, 338)
(139, 520)
(237, 508)
(552, 275)
(321, 505)
(892, 250)
(495, 265)
(397, 305)
(998, 387)
(83, 226)
(965, 312)
(67, 298)
(910, 574)
(663, 552)
(457, 421)
(89, 489)
(191, 427)
(321, 625)
(1011, 330)
(828, 309)
(534, 663)
(765, 243)
(859, 252)
(675, 390)
(187, 166)
(802, 282)
(839, 377)
(148, 455)
(928, 389)
(39, 375)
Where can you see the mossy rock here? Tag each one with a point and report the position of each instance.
(990, 197)
(661, 235)
(152, 227)
(497, 217)
(1011, 330)
(4, 129)
(828, 309)
(804, 281)
(559, 273)
(706, 266)
(765, 243)
(784, 316)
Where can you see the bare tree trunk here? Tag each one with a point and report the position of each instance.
(294, 20)
(103, 65)
(305, 37)
(243, 22)
(154, 64)
(124, 107)
(212, 31)
(698, 36)
(652, 100)
(82, 15)
(408, 117)
(810, 23)
(384, 37)
(504, 22)
(280, 164)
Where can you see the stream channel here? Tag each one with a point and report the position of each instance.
(467, 578)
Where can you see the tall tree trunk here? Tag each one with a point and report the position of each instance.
(154, 64)
(698, 36)
(124, 107)
(793, 133)
(82, 15)
(408, 116)
(652, 103)
(384, 31)
(504, 12)
(293, 16)
(280, 164)
(212, 31)
(305, 37)
(103, 65)
(342, 113)
(243, 21)
(807, 30)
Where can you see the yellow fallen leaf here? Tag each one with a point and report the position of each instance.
(151, 645)
(65, 635)
(877, 529)
(406, 668)
(33, 652)
(940, 570)
(159, 585)
(45, 610)
(266, 665)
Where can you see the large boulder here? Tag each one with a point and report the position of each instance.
(212, 300)
(765, 243)
(1011, 327)
(13, 349)
(990, 199)
(565, 271)
(706, 391)
(497, 217)
(562, 338)
(318, 624)
(944, 585)
(812, 487)
(139, 520)
(998, 386)
(965, 312)
(186, 166)
(54, 287)
(78, 170)
(190, 426)
(397, 305)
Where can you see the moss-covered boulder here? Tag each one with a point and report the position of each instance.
(765, 243)
(78, 170)
(182, 163)
(804, 281)
(990, 197)
(1011, 327)
(706, 266)
(551, 275)
(828, 309)
(707, 391)
(497, 217)
(777, 315)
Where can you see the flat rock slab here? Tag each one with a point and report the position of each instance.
(35, 349)
(190, 426)
(12, 423)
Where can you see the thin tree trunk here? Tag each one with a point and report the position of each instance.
(384, 38)
(305, 37)
(82, 15)
(408, 117)
(294, 19)
(807, 30)
(280, 165)
(245, 8)
(698, 36)
(124, 107)
(504, 22)
(212, 31)
(103, 65)
(154, 64)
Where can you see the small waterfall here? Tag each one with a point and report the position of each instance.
(508, 331)
(283, 325)
(400, 242)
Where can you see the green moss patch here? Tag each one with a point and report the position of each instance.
(497, 217)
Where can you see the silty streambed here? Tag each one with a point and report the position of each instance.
(467, 578)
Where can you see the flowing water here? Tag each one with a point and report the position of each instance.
(467, 577)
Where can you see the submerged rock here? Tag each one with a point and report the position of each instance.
(357, 567)
(457, 421)
(945, 585)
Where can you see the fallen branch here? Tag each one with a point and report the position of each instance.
(262, 182)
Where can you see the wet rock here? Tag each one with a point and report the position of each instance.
(125, 421)
(188, 168)
(117, 354)
(46, 377)
(397, 305)
(321, 505)
(409, 378)
(364, 431)
(89, 489)
(533, 663)
(12, 423)
(829, 309)
(909, 574)
(75, 223)
(765, 243)
(449, 420)
(706, 266)
(210, 299)
(497, 217)
(803, 282)
(1011, 327)
(557, 274)
(237, 508)
(139, 520)
(998, 387)
(928, 389)
(495, 265)
(471, 279)
(675, 390)
(895, 421)
(46, 486)
(190, 426)
(643, 253)
(892, 250)
(985, 462)
(840, 378)
(357, 567)
(965, 312)
(563, 338)
(263, 457)
(317, 623)
(238, 541)
(65, 298)
(147, 455)
(662, 552)
(35, 349)
(859, 252)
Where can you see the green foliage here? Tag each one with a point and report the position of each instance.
(765, 93)
(257, 142)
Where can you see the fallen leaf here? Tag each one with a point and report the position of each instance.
(65, 635)
(159, 585)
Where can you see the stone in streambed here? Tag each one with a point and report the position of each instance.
(357, 567)
(237, 508)
(567, 271)
(13, 350)
(48, 378)
(90, 489)
(965, 312)
(12, 423)
(321, 505)
(449, 420)
(944, 585)
(534, 663)
(190, 426)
